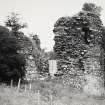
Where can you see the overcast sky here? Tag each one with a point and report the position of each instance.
(41, 15)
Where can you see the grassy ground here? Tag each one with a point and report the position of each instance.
(50, 93)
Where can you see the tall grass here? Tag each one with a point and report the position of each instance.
(45, 93)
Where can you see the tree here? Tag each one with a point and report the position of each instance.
(13, 21)
(90, 7)
(40, 56)
(12, 64)
(36, 41)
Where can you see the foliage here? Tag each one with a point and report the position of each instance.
(103, 37)
(40, 56)
(13, 21)
(36, 40)
(74, 36)
(60, 95)
(11, 62)
(90, 7)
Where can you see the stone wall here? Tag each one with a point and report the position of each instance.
(93, 75)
